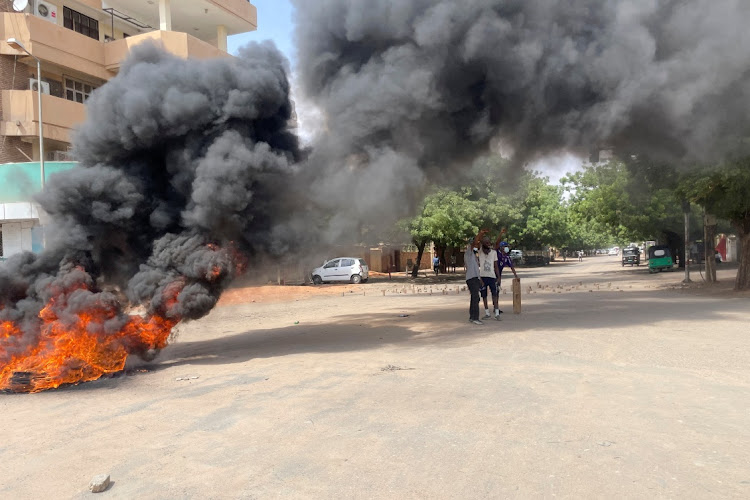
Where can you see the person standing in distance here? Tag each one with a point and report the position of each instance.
(473, 281)
(488, 271)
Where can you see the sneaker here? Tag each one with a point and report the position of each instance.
(499, 311)
(497, 317)
(477, 322)
(487, 316)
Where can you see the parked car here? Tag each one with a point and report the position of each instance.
(350, 269)
(516, 256)
(632, 256)
(614, 251)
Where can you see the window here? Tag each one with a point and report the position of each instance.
(347, 262)
(77, 91)
(332, 264)
(80, 23)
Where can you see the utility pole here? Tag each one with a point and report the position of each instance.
(686, 253)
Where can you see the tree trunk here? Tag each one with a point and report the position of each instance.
(420, 251)
(676, 246)
(443, 262)
(709, 248)
(742, 282)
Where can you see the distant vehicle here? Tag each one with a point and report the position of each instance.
(614, 251)
(632, 256)
(535, 257)
(659, 259)
(349, 269)
(516, 256)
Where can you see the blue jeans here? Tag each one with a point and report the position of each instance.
(474, 285)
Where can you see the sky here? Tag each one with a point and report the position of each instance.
(276, 22)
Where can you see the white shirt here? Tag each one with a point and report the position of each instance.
(487, 263)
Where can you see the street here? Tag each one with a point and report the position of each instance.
(611, 383)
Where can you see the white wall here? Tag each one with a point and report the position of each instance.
(15, 211)
(12, 241)
(16, 237)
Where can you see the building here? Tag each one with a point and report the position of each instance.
(81, 44)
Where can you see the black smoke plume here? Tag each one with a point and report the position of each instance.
(437, 81)
(182, 172)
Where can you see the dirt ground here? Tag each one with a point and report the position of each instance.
(611, 383)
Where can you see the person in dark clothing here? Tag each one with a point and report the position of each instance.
(503, 261)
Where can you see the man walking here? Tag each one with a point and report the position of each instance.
(488, 271)
(472, 276)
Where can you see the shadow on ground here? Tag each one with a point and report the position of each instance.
(446, 327)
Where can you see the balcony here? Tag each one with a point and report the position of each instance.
(242, 9)
(197, 17)
(179, 44)
(66, 48)
(20, 115)
(54, 44)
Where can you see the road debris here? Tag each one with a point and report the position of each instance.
(393, 368)
(99, 483)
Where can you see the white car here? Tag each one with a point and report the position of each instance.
(349, 269)
(614, 251)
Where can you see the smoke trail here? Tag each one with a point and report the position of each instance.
(437, 80)
(181, 176)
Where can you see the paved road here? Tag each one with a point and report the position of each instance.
(610, 384)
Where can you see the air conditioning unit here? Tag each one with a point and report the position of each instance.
(46, 10)
(34, 85)
(59, 156)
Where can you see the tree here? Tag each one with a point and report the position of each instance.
(631, 202)
(447, 218)
(725, 193)
(544, 217)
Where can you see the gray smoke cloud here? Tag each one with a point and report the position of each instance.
(181, 178)
(436, 81)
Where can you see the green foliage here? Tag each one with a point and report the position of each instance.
(597, 207)
(543, 219)
(447, 218)
(627, 202)
(723, 192)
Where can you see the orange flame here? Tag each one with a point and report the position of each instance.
(77, 349)
(82, 346)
